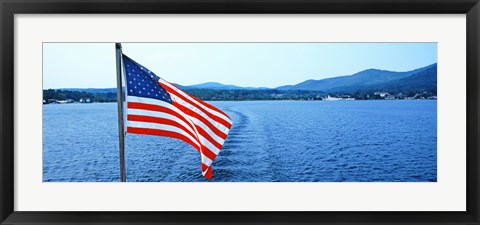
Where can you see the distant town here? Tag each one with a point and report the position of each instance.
(66, 101)
(58, 96)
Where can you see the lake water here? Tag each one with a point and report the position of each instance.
(280, 141)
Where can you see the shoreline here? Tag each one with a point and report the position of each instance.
(269, 100)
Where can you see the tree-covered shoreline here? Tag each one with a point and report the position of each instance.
(50, 95)
(246, 95)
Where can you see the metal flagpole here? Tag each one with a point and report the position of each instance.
(121, 133)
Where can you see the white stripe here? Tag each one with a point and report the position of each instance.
(218, 125)
(205, 160)
(209, 145)
(194, 121)
(203, 140)
(151, 101)
(195, 101)
(207, 129)
(172, 107)
(162, 127)
(159, 103)
(156, 114)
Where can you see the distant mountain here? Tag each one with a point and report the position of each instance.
(365, 80)
(208, 85)
(422, 79)
(214, 86)
(180, 86)
(219, 86)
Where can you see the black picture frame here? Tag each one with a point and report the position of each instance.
(9, 8)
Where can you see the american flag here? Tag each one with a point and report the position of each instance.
(157, 107)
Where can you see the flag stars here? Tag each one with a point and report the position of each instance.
(144, 83)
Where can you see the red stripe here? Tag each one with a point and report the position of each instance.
(207, 105)
(200, 101)
(137, 105)
(190, 112)
(205, 150)
(156, 132)
(150, 119)
(208, 175)
(208, 153)
(214, 117)
(202, 132)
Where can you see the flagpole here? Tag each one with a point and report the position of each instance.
(121, 131)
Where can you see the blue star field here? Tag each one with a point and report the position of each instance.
(142, 82)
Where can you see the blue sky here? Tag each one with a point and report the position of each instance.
(92, 65)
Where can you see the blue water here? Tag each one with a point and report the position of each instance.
(285, 141)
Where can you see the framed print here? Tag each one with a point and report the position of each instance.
(354, 112)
